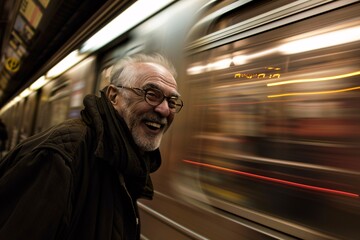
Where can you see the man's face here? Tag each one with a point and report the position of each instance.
(147, 123)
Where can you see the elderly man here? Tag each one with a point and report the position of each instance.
(81, 179)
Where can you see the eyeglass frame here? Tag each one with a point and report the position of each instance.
(145, 91)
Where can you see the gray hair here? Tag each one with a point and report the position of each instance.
(121, 75)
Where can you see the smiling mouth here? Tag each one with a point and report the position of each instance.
(154, 125)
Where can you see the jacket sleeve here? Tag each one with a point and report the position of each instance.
(35, 196)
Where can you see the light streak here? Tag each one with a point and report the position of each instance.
(276, 180)
(314, 93)
(315, 79)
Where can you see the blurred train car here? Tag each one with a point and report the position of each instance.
(268, 143)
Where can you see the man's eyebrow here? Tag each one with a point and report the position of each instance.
(152, 85)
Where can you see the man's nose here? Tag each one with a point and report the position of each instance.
(163, 108)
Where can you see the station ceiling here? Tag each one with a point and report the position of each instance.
(32, 31)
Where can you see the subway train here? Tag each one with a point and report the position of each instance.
(267, 145)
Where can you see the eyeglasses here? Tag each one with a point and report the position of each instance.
(155, 97)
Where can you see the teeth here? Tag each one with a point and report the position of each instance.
(153, 124)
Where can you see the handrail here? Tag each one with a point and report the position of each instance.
(172, 223)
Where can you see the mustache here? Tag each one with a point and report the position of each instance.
(153, 117)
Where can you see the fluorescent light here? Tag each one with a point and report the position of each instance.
(16, 99)
(39, 83)
(25, 93)
(69, 61)
(322, 41)
(128, 19)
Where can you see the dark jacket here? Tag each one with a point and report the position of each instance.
(77, 180)
(3, 135)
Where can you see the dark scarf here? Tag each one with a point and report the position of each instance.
(116, 146)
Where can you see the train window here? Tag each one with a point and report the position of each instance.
(59, 109)
(27, 121)
(105, 77)
(60, 89)
(276, 127)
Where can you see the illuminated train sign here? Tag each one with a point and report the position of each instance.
(261, 75)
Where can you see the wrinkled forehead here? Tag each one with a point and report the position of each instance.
(153, 74)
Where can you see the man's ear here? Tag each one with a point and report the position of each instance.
(112, 94)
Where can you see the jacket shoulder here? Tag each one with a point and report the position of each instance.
(63, 140)
(65, 137)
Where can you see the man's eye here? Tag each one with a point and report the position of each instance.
(172, 103)
(153, 94)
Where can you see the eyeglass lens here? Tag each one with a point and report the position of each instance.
(155, 97)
